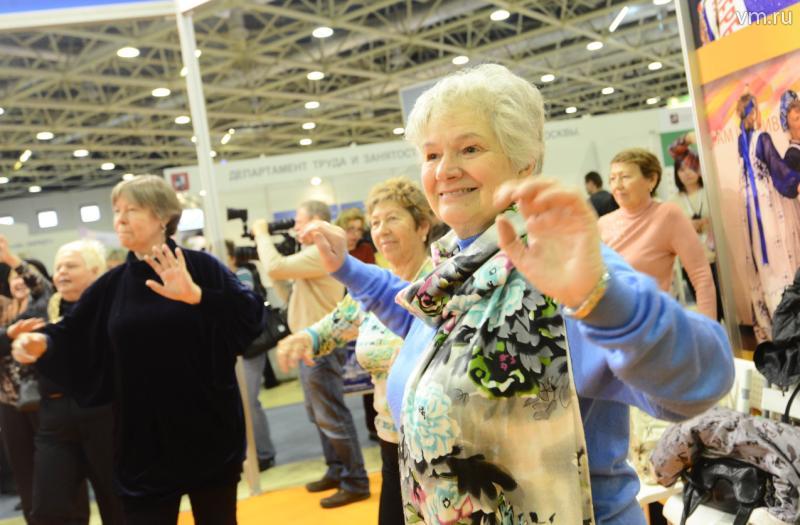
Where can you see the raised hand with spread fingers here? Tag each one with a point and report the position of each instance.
(561, 254)
(176, 282)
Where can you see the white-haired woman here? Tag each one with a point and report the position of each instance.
(73, 443)
(158, 336)
(491, 423)
(400, 222)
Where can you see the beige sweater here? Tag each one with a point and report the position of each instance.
(314, 293)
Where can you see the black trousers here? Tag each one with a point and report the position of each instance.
(391, 509)
(210, 506)
(19, 429)
(74, 444)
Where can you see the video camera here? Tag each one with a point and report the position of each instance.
(287, 246)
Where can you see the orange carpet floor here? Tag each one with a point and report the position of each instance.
(296, 506)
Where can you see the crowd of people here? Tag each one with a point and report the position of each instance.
(508, 333)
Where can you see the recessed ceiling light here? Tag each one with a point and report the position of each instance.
(655, 66)
(194, 139)
(549, 77)
(231, 131)
(653, 100)
(35, 189)
(225, 138)
(182, 119)
(316, 181)
(399, 131)
(499, 15)
(460, 60)
(128, 176)
(161, 92)
(594, 46)
(107, 166)
(570, 110)
(212, 153)
(198, 53)
(127, 52)
(662, 2)
(322, 32)
(309, 125)
(44, 135)
(184, 71)
(315, 75)
(202, 193)
(306, 142)
(312, 104)
(3, 180)
(25, 155)
(2, 111)
(607, 90)
(80, 153)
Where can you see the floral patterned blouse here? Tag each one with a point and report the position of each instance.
(376, 349)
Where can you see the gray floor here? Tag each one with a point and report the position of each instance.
(295, 439)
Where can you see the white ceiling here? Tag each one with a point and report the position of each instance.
(255, 58)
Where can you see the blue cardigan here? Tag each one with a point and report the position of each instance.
(638, 347)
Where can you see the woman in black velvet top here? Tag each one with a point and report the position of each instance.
(158, 337)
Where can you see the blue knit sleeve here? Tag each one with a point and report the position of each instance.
(375, 288)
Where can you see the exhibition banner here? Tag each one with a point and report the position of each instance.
(748, 57)
(27, 14)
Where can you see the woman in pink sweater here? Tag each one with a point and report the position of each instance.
(650, 234)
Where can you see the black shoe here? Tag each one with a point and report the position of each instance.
(265, 464)
(322, 485)
(342, 497)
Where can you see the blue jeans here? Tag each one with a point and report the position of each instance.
(324, 401)
(253, 370)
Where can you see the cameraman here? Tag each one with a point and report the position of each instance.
(314, 294)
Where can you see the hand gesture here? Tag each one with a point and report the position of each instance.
(293, 348)
(171, 269)
(24, 326)
(561, 257)
(331, 241)
(6, 255)
(28, 348)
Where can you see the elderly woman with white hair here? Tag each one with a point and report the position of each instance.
(158, 337)
(73, 443)
(528, 342)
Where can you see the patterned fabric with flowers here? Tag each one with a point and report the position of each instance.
(376, 349)
(491, 430)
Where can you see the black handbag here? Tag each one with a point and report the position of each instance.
(275, 329)
(725, 484)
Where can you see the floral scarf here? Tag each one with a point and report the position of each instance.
(491, 430)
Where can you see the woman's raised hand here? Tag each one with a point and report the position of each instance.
(561, 255)
(24, 326)
(331, 241)
(28, 348)
(171, 269)
(294, 348)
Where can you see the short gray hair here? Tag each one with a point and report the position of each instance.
(92, 252)
(511, 105)
(317, 209)
(155, 194)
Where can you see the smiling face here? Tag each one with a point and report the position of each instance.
(630, 188)
(396, 234)
(19, 290)
(463, 164)
(137, 227)
(72, 275)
